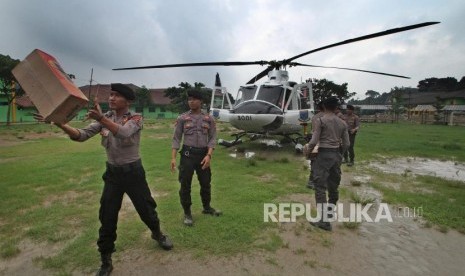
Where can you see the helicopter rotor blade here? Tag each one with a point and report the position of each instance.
(351, 69)
(261, 75)
(370, 36)
(374, 35)
(226, 63)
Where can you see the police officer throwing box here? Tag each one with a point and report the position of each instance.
(120, 130)
(329, 131)
(197, 131)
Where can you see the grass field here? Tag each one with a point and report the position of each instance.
(51, 188)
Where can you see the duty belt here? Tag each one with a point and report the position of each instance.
(329, 149)
(124, 168)
(187, 151)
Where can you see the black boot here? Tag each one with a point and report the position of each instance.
(107, 266)
(322, 225)
(211, 211)
(163, 241)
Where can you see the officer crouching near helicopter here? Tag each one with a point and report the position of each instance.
(198, 132)
(328, 131)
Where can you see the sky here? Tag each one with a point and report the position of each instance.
(105, 34)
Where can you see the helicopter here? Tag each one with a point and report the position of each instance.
(278, 106)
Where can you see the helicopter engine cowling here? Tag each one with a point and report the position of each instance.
(256, 116)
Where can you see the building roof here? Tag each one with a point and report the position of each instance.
(24, 101)
(372, 106)
(416, 98)
(157, 96)
(102, 91)
(423, 107)
(454, 108)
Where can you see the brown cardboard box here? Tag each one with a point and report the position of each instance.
(49, 87)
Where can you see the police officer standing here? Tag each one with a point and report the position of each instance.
(328, 131)
(317, 116)
(197, 131)
(353, 122)
(120, 130)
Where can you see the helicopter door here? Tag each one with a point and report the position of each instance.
(220, 104)
(299, 108)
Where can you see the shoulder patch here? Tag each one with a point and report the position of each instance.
(137, 119)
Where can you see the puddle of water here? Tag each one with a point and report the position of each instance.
(270, 143)
(247, 154)
(444, 169)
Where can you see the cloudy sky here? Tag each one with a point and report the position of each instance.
(106, 34)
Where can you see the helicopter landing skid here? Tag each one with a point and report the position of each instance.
(237, 140)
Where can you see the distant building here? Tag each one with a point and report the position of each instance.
(156, 107)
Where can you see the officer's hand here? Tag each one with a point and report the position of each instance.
(173, 165)
(95, 113)
(39, 118)
(205, 162)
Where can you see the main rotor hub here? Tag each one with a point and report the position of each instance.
(278, 76)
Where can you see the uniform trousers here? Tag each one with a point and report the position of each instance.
(350, 151)
(190, 163)
(118, 181)
(327, 175)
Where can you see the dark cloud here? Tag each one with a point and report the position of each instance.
(108, 34)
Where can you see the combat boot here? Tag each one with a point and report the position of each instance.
(107, 266)
(351, 163)
(163, 241)
(322, 225)
(211, 211)
(188, 221)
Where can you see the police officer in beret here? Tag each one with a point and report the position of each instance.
(120, 131)
(329, 131)
(197, 131)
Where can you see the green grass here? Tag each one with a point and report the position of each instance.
(404, 139)
(441, 200)
(51, 188)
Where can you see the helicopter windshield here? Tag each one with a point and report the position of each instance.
(246, 93)
(271, 94)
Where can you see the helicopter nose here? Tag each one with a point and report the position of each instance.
(257, 107)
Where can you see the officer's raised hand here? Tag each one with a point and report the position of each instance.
(95, 113)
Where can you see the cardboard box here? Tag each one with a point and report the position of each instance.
(49, 87)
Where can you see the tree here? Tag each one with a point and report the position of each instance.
(143, 97)
(397, 101)
(372, 94)
(178, 96)
(438, 84)
(7, 84)
(461, 84)
(439, 106)
(323, 89)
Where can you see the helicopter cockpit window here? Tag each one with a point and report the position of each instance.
(246, 93)
(271, 94)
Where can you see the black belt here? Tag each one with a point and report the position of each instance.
(329, 149)
(187, 150)
(124, 168)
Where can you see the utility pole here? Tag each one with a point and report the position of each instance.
(90, 87)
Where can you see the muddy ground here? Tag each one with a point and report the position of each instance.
(402, 247)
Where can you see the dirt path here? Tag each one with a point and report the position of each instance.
(401, 247)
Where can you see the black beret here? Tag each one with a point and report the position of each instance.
(350, 107)
(194, 94)
(124, 90)
(331, 102)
